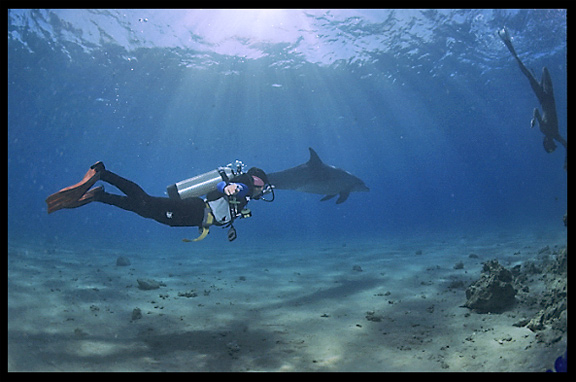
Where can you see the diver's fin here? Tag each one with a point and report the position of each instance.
(86, 198)
(505, 36)
(327, 197)
(70, 197)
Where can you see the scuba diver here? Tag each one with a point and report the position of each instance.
(548, 120)
(227, 191)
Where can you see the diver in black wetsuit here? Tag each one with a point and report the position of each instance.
(175, 213)
(194, 211)
(548, 120)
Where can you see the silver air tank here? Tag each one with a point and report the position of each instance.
(198, 185)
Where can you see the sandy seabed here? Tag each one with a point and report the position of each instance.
(364, 306)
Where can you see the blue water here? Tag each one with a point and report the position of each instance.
(428, 107)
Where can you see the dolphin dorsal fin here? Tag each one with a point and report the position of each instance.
(314, 158)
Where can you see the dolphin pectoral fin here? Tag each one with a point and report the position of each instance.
(316, 177)
(343, 197)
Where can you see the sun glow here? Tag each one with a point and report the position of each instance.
(257, 22)
(235, 31)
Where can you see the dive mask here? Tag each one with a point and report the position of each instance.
(268, 189)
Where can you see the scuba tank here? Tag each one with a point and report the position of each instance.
(204, 183)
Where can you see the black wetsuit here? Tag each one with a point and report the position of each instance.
(548, 120)
(173, 212)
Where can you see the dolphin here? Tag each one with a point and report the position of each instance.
(318, 178)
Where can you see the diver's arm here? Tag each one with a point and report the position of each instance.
(238, 189)
(561, 140)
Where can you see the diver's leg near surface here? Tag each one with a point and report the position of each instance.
(69, 197)
(536, 87)
(503, 33)
(546, 81)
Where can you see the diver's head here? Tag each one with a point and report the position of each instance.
(549, 144)
(258, 173)
(257, 187)
(260, 185)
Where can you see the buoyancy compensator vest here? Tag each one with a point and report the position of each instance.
(221, 211)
